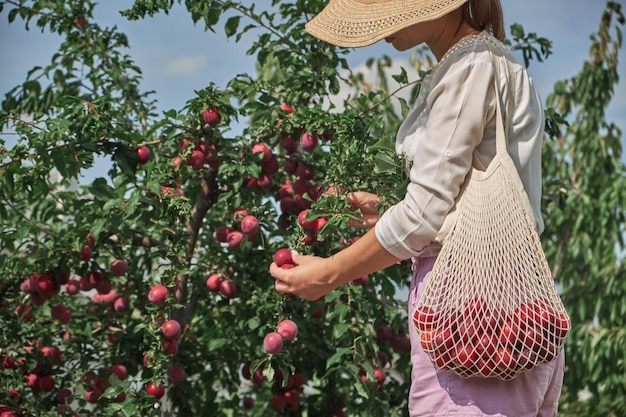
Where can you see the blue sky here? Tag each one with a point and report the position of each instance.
(177, 57)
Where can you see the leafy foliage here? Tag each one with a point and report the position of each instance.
(584, 237)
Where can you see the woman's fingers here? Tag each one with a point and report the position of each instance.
(367, 204)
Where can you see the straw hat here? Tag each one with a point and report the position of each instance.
(355, 23)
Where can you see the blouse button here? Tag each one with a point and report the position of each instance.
(448, 154)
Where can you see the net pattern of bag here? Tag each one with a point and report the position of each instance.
(491, 308)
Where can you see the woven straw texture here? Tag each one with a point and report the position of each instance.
(356, 23)
(491, 308)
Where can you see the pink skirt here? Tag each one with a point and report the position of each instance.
(534, 393)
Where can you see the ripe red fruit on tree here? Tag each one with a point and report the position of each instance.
(119, 267)
(62, 313)
(196, 160)
(85, 253)
(29, 285)
(278, 402)
(234, 239)
(239, 214)
(104, 287)
(302, 221)
(177, 375)
(380, 376)
(72, 287)
(318, 224)
(265, 181)
(273, 343)
(213, 282)
(257, 377)
(93, 395)
(248, 402)
(286, 107)
(286, 204)
(287, 329)
(283, 256)
(305, 172)
(212, 116)
(143, 153)
(221, 233)
(105, 298)
(308, 141)
(45, 285)
(155, 390)
(157, 294)
(171, 347)
(362, 281)
(384, 334)
(52, 352)
(119, 370)
(171, 329)
(271, 167)
(228, 288)
(250, 225)
(32, 381)
(290, 166)
(121, 304)
(266, 153)
(94, 278)
(64, 396)
(401, 344)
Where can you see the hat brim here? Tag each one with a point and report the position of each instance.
(357, 23)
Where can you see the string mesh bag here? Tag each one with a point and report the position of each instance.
(491, 307)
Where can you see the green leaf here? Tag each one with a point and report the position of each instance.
(340, 329)
(216, 344)
(401, 78)
(338, 356)
(101, 190)
(231, 26)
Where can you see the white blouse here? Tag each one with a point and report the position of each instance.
(450, 128)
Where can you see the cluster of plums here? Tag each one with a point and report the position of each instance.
(481, 340)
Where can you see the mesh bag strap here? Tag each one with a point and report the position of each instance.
(491, 308)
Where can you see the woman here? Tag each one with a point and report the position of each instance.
(449, 129)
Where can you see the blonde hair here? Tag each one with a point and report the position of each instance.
(485, 15)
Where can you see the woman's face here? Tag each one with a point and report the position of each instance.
(414, 35)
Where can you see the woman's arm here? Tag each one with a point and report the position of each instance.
(314, 277)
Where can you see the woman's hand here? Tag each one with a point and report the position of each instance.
(368, 204)
(310, 279)
(313, 277)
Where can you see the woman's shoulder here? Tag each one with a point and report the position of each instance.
(479, 47)
(476, 52)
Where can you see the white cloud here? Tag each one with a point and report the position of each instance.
(187, 66)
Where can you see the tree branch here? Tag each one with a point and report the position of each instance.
(206, 199)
